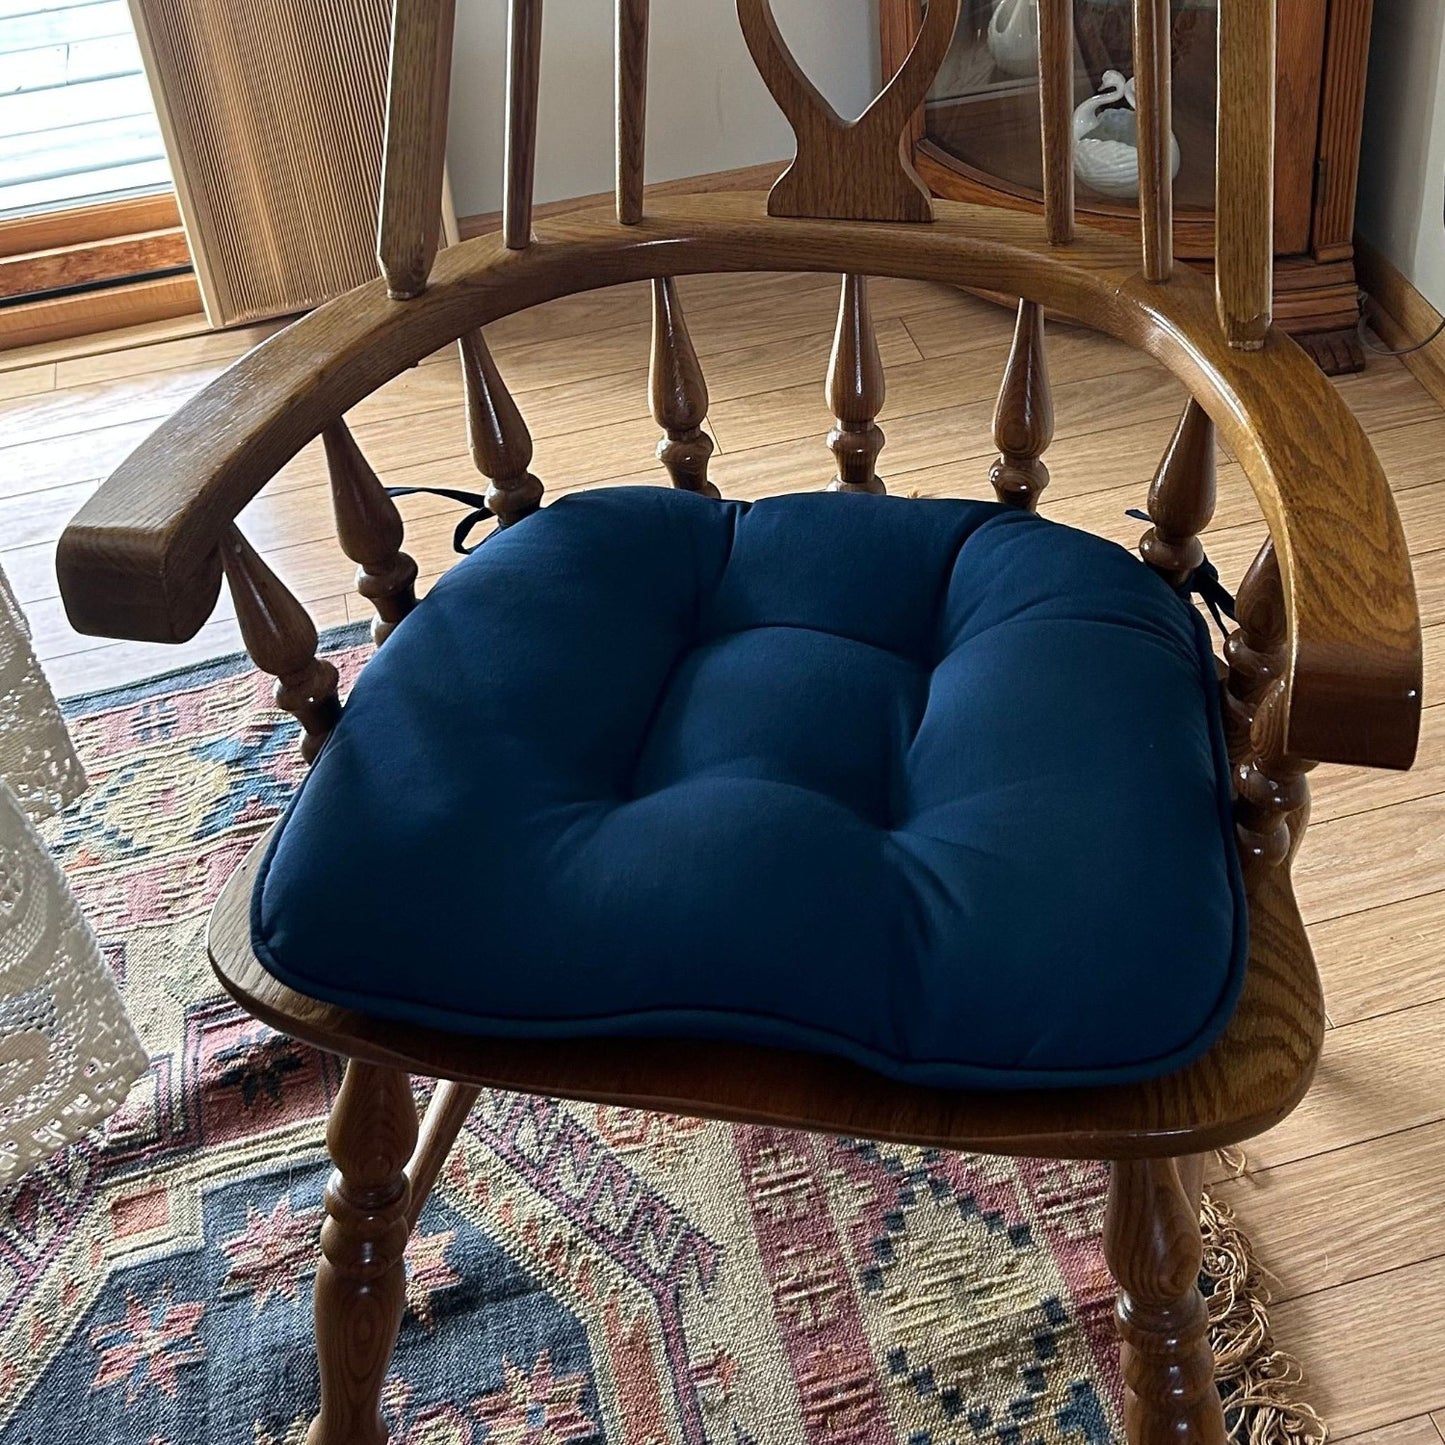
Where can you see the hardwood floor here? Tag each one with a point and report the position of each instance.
(1344, 1200)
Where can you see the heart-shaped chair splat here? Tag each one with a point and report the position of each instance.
(848, 170)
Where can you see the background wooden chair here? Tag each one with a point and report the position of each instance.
(1324, 665)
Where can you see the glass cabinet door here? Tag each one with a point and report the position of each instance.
(983, 109)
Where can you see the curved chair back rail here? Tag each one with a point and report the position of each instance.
(142, 559)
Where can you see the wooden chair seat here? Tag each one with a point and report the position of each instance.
(1249, 1080)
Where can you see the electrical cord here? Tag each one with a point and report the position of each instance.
(1379, 350)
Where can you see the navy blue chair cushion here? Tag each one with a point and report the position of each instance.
(938, 786)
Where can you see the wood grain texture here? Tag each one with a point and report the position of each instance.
(1302, 57)
(1404, 849)
(735, 178)
(1272, 798)
(679, 393)
(1249, 1080)
(281, 640)
(1255, 652)
(1376, 1077)
(1154, 1249)
(369, 528)
(898, 24)
(1244, 182)
(1023, 421)
(445, 1115)
(500, 442)
(32, 324)
(93, 262)
(76, 225)
(140, 558)
(414, 158)
(361, 1283)
(273, 119)
(1182, 499)
(631, 106)
(1329, 1227)
(1342, 114)
(1404, 318)
(524, 71)
(1056, 108)
(855, 391)
(30, 381)
(1382, 959)
(1421, 1430)
(1388, 1329)
(1154, 88)
(848, 170)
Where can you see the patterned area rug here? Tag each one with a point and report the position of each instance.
(581, 1274)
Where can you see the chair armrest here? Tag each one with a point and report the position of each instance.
(141, 558)
(1355, 656)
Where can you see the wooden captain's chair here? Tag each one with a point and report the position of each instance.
(1324, 665)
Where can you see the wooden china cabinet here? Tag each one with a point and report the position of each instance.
(977, 138)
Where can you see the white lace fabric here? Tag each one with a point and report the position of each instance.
(68, 1051)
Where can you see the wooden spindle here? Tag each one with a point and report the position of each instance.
(1256, 652)
(524, 70)
(1244, 172)
(632, 19)
(855, 392)
(281, 639)
(1056, 105)
(370, 531)
(1272, 795)
(1153, 91)
(1154, 1248)
(414, 153)
(500, 442)
(1023, 421)
(1181, 499)
(445, 1115)
(679, 393)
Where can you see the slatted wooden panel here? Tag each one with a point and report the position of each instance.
(272, 113)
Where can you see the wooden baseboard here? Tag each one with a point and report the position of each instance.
(1402, 317)
(85, 313)
(742, 178)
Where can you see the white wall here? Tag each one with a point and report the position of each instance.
(707, 109)
(1402, 166)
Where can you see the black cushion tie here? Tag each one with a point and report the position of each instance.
(467, 524)
(1203, 582)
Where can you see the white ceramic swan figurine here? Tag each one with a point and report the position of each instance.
(1013, 36)
(1106, 142)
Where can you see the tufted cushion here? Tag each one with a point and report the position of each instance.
(935, 785)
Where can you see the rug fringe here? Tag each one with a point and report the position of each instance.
(1258, 1381)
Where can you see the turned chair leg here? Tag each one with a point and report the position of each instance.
(1153, 1245)
(361, 1283)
